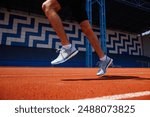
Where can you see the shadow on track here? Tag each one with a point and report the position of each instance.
(109, 77)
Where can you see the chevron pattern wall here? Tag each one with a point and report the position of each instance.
(17, 29)
(123, 43)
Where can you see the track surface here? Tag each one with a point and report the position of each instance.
(26, 83)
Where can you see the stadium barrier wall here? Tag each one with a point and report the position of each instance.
(146, 45)
(29, 40)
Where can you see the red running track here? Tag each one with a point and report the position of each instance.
(40, 83)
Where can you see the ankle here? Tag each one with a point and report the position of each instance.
(103, 58)
(68, 46)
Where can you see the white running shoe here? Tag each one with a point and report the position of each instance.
(64, 55)
(104, 65)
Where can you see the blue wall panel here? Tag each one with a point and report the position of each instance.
(24, 56)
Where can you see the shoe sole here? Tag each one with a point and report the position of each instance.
(69, 57)
(110, 62)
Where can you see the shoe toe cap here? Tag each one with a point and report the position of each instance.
(100, 72)
(54, 62)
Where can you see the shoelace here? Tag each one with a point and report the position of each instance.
(60, 50)
(99, 63)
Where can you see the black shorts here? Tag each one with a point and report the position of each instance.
(78, 8)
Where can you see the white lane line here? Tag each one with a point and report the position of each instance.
(121, 96)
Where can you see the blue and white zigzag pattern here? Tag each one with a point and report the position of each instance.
(121, 43)
(32, 31)
(19, 30)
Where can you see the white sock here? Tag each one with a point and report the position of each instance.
(103, 58)
(67, 46)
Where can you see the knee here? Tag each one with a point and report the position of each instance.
(43, 6)
(46, 6)
(49, 5)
